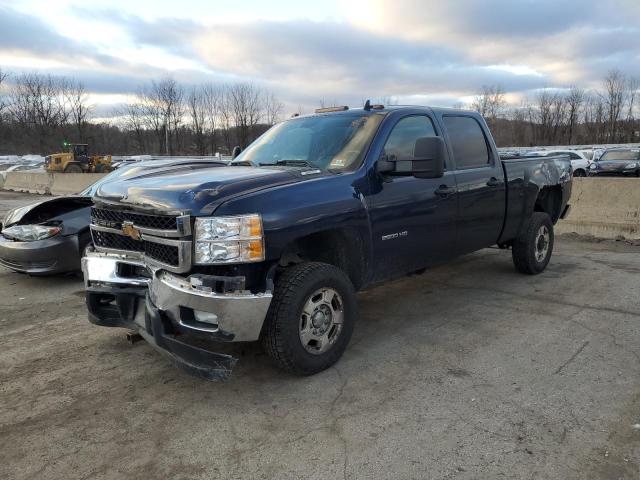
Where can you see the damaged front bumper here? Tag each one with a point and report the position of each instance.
(172, 313)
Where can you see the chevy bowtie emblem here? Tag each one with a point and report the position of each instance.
(130, 231)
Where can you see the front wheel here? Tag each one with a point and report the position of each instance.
(579, 173)
(311, 318)
(532, 249)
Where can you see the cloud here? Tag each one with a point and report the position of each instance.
(567, 41)
(26, 33)
(336, 60)
(415, 50)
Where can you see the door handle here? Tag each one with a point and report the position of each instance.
(493, 182)
(444, 190)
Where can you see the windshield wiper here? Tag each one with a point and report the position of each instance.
(291, 163)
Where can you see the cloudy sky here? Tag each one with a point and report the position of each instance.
(341, 51)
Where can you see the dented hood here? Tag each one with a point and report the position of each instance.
(198, 191)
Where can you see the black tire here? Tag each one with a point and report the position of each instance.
(580, 173)
(73, 168)
(528, 248)
(281, 335)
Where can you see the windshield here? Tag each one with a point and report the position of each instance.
(620, 155)
(336, 142)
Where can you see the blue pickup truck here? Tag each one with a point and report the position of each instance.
(274, 246)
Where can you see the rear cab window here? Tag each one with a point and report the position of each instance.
(468, 142)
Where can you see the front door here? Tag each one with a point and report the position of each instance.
(413, 219)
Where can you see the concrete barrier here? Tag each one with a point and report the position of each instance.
(50, 183)
(28, 182)
(70, 183)
(604, 208)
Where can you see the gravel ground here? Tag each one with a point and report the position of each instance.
(469, 371)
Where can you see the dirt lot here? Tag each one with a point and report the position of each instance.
(470, 371)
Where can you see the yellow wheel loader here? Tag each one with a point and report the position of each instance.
(76, 159)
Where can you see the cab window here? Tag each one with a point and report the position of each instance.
(467, 141)
(404, 135)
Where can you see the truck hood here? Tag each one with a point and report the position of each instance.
(192, 189)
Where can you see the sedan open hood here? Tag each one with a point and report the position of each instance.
(45, 210)
(191, 189)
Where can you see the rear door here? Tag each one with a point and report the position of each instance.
(413, 219)
(480, 181)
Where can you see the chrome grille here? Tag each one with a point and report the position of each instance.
(167, 254)
(114, 219)
(161, 240)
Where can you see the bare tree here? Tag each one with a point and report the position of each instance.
(212, 99)
(3, 99)
(594, 117)
(37, 102)
(225, 109)
(615, 85)
(575, 99)
(272, 108)
(197, 112)
(245, 109)
(133, 114)
(79, 110)
(490, 102)
(633, 87)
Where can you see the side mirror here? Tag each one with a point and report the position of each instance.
(428, 157)
(236, 151)
(427, 160)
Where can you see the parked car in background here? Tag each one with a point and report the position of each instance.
(49, 237)
(617, 162)
(579, 162)
(18, 168)
(588, 154)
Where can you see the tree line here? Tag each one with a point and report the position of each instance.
(553, 116)
(38, 112)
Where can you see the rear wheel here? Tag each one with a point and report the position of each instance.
(73, 168)
(310, 319)
(533, 248)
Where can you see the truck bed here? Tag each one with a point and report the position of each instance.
(525, 178)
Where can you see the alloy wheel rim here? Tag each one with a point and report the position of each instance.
(321, 320)
(543, 239)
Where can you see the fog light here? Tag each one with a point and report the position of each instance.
(206, 317)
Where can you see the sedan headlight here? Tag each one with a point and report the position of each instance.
(593, 166)
(30, 233)
(631, 165)
(229, 239)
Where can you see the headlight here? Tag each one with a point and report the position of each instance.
(593, 166)
(229, 239)
(632, 165)
(29, 233)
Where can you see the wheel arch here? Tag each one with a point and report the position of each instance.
(549, 201)
(342, 247)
